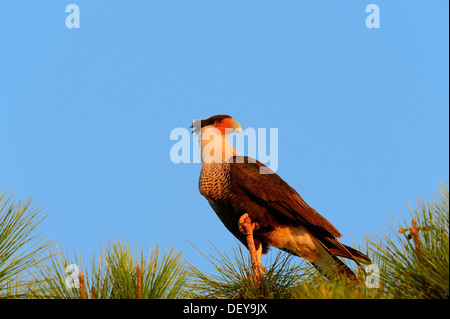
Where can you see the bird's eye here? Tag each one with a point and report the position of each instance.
(219, 122)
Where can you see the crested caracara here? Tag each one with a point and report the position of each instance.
(237, 186)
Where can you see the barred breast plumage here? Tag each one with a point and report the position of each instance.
(214, 181)
(215, 184)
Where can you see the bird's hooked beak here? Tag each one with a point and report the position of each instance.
(236, 127)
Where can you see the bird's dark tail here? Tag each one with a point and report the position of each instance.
(336, 270)
(324, 252)
(332, 267)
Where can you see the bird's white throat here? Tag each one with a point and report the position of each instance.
(215, 146)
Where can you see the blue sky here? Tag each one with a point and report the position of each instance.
(86, 114)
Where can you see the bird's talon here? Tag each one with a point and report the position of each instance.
(245, 221)
(261, 267)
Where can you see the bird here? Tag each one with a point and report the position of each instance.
(244, 192)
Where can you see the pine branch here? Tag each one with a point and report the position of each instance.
(414, 260)
(21, 244)
(118, 273)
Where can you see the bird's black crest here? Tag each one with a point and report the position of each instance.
(197, 125)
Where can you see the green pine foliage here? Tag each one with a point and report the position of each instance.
(235, 278)
(116, 273)
(410, 261)
(21, 243)
(287, 277)
(414, 257)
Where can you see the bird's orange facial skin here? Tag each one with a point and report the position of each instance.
(224, 124)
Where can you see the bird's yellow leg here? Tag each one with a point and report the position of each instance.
(246, 226)
(258, 247)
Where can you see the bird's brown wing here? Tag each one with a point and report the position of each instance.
(271, 191)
